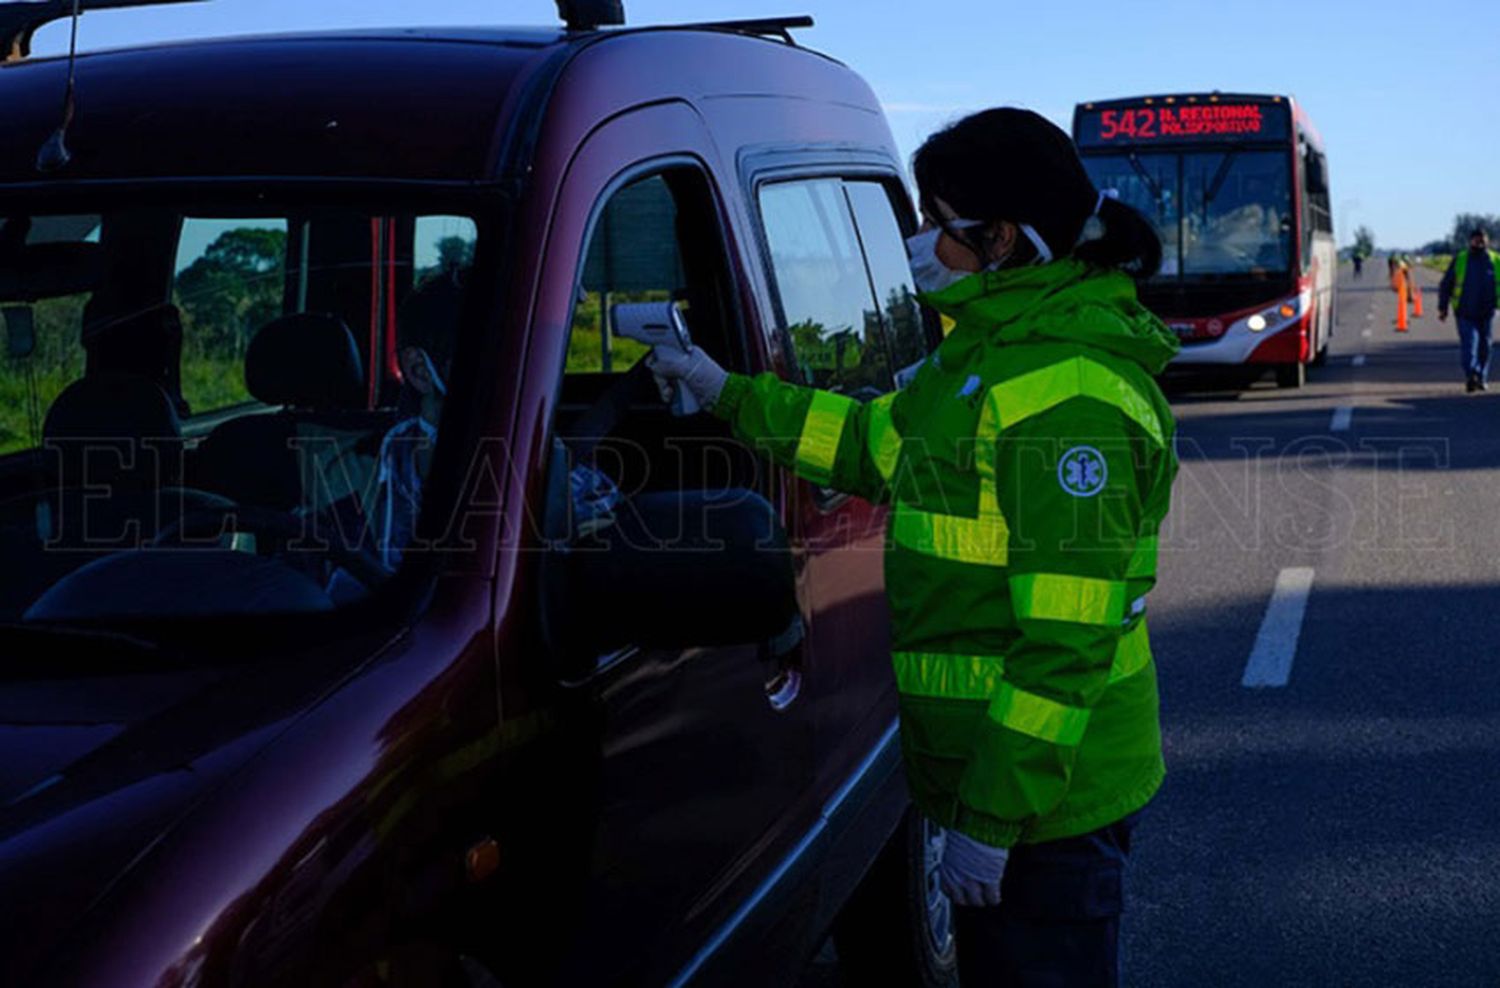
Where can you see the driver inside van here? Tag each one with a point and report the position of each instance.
(428, 325)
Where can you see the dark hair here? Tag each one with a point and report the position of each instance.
(1015, 165)
(1478, 231)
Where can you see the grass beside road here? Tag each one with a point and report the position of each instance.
(1437, 262)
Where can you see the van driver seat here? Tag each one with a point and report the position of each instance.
(319, 444)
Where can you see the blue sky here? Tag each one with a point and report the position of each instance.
(1410, 117)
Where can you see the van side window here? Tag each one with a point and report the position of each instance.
(633, 256)
(37, 368)
(43, 351)
(827, 300)
(228, 281)
(656, 239)
(890, 271)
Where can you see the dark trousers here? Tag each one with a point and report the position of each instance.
(1058, 922)
(1474, 345)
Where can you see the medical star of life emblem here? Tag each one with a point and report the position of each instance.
(1082, 471)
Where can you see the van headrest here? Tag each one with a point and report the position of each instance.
(306, 360)
(122, 411)
(112, 406)
(147, 342)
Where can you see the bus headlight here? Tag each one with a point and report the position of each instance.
(1276, 315)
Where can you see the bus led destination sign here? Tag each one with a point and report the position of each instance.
(1182, 122)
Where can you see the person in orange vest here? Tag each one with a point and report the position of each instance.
(1470, 287)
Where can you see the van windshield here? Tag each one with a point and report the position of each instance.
(227, 410)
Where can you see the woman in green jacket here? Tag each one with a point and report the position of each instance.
(1029, 465)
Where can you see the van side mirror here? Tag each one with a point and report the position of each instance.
(678, 569)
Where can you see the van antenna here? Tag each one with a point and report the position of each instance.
(19, 22)
(54, 155)
(590, 15)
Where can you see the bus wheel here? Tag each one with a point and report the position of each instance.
(1291, 375)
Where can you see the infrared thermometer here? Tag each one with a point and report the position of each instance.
(657, 324)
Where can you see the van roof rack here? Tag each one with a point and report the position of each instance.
(19, 22)
(777, 27)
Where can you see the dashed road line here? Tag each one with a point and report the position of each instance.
(1270, 663)
(1358, 361)
(1341, 418)
(1365, 333)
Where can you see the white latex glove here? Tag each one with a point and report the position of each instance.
(970, 871)
(695, 370)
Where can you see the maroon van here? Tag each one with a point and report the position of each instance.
(367, 617)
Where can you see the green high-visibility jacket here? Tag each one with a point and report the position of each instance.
(1461, 276)
(1029, 465)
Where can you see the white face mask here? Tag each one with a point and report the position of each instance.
(928, 272)
(931, 275)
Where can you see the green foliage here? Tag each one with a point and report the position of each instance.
(1464, 223)
(455, 252)
(903, 320)
(29, 385)
(224, 296)
(234, 287)
(585, 341)
(1364, 242)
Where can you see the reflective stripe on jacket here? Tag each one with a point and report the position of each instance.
(1029, 466)
(1452, 292)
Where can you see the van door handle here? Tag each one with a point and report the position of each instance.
(784, 684)
(783, 689)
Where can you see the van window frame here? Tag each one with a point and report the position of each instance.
(735, 332)
(742, 356)
(775, 166)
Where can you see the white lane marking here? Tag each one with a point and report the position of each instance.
(1341, 417)
(1270, 662)
(1365, 333)
(1358, 361)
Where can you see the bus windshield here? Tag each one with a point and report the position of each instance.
(1221, 214)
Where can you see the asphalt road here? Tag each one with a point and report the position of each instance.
(1341, 828)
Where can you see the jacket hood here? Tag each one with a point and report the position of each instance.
(1066, 301)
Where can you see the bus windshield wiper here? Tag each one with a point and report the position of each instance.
(1217, 182)
(1146, 176)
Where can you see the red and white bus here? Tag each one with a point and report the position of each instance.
(1238, 189)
